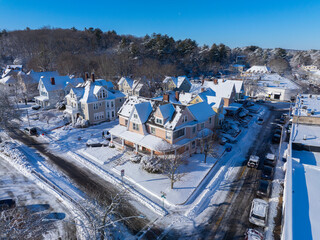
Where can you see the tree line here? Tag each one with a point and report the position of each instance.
(110, 55)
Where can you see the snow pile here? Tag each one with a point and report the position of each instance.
(10, 150)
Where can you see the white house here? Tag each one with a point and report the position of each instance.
(54, 89)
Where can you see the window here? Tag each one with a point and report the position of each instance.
(159, 120)
(135, 126)
(104, 94)
(194, 130)
(100, 104)
(120, 100)
(108, 115)
(178, 133)
(126, 122)
(135, 116)
(98, 116)
(95, 106)
(152, 130)
(112, 113)
(185, 119)
(202, 125)
(112, 104)
(193, 144)
(107, 104)
(210, 120)
(168, 135)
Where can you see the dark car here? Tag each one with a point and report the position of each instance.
(31, 131)
(263, 188)
(267, 173)
(36, 107)
(276, 138)
(7, 203)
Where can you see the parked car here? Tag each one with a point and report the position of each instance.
(36, 107)
(260, 121)
(223, 141)
(93, 143)
(270, 160)
(253, 234)
(259, 212)
(7, 204)
(263, 188)
(31, 131)
(253, 161)
(135, 158)
(267, 173)
(276, 138)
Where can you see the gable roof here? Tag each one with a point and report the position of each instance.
(128, 80)
(258, 69)
(177, 81)
(223, 88)
(128, 106)
(167, 110)
(143, 110)
(60, 82)
(8, 80)
(201, 111)
(35, 76)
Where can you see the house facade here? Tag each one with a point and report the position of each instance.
(157, 127)
(181, 83)
(131, 87)
(94, 101)
(54, 89)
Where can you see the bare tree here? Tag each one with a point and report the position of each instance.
(7, 110)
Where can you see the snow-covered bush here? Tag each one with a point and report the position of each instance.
(81, 123)
(135, 158)
(60, 106)
(111, 145)
(151, 165)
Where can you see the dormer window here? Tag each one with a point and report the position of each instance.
(185, 119)
(159, 121)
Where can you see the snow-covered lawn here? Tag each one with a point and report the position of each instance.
(193, 171)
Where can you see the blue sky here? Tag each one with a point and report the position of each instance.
(274, 23)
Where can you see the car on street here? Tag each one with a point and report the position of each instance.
(223, 141)
(267, 173)
(260, 121)
(276, 138)
(259, 212)
(263, 188)
(270, 160)
(36, 107)
(7, 204)
(253, 234)
(253, 161)
(31, 131)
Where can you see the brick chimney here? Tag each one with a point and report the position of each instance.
(52, 81)
(177, 95)
(215, 81)
(86, 76)
(166, 97)
(202, 82)
(92, 77)
(203, 89)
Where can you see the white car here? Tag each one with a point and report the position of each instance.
(253, 234)
(259, 212)
(253, 161)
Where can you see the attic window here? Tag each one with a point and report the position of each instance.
(159, 120)
(135, 116)
(185, 119)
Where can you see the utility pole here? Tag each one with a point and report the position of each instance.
(28, 117)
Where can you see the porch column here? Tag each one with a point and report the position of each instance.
(175, 152)
(122, 143)
(151, 153)
(136, 145)
(111, 139)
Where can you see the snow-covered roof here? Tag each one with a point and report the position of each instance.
(258, 70)
(223, 88)
(60, 82)
(128, 105)
(214, 102)
(176, 117)
(11, 68)
(276, 81)
(167, 110)
(8, 80)
(143, 110)
(102, 82)
(201, 111)
(128, 80)
(307, 105)
(35, 76)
